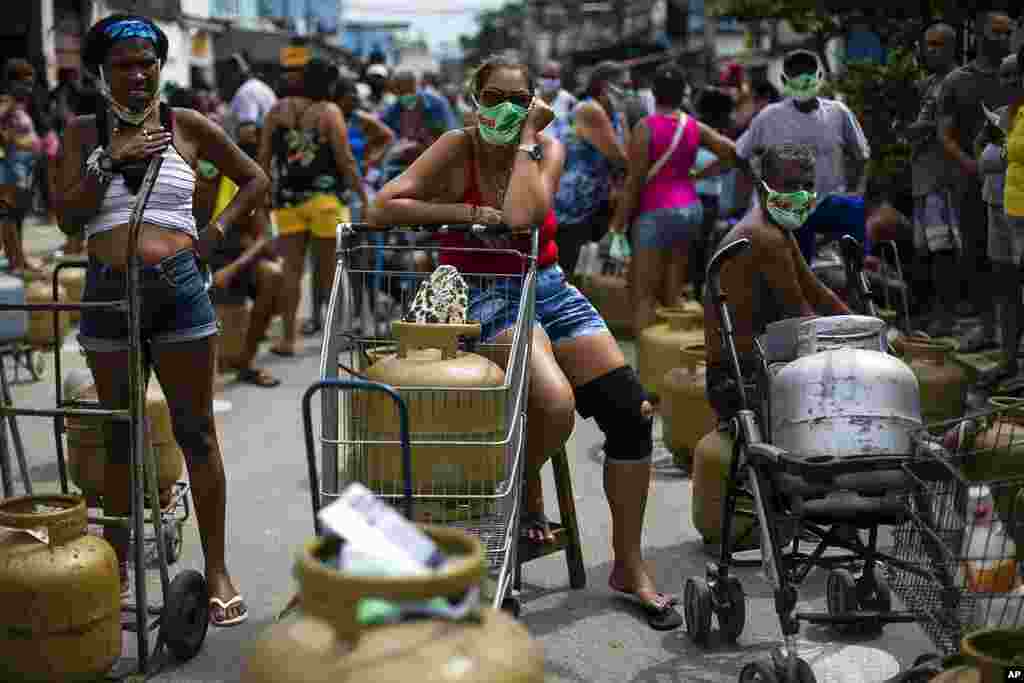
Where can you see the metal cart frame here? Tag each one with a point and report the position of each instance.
(339, 432)
(183, 617)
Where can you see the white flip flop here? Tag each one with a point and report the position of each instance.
(225, 606)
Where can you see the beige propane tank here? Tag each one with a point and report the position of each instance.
(61, 618)
(452, 396)
(712, 459)
(234, 321)
(686, 414)
(658, 349)
(87, 449)
(943, 382)
(40, 323)
(73, 280)
(690, 302)
(327, 644)
(613, 298)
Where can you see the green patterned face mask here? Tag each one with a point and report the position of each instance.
(501, 124)
(802, 88)
(789, 209)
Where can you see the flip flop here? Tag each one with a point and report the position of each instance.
(535, 522)
(281, 352)
(259, 378)
(225, 606)
(660, 618)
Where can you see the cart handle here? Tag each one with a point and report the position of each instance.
(475, 228)
(733, 249)
(403, 435)
(853, 258)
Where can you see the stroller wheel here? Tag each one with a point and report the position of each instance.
(841, 596)
(804, 674)
(733, 615)
(697, 608)
(879, 599)
(758, 672)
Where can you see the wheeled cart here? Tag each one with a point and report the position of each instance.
(486, 504)
(182, 618)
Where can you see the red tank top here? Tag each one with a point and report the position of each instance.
(498, 264)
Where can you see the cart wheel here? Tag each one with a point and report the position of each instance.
(37, 365)
(804, 673)
(172, 541)
(758, 672)
(841, 597)
(733, 616)
(186, 615)
(513, 606)
(697, 607)
(881, 598)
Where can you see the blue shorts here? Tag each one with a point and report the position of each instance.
(175, 305)
(17, 168)
(562, 311)
(664, 228)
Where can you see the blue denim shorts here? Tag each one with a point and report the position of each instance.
(17, 168)
(175, 304)
(562, 311)
(664, 228)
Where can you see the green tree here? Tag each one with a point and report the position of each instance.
(497, 30)
(805, 16)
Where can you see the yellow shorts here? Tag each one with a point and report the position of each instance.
(320, 215)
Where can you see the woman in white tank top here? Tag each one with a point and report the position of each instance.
(104, 159)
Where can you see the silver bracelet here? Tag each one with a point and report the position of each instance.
(92, 166)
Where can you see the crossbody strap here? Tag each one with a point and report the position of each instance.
(676, 137)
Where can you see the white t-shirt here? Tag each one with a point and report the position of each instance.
(252, 101)
(831, 128)
(564, 103)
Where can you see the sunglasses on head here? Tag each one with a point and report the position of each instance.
(492, 97)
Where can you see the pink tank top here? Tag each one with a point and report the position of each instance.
(672, 187)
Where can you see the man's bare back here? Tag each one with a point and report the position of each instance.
(770, 281)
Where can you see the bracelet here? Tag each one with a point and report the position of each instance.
(93, 168)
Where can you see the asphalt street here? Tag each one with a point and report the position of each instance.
(587, 635)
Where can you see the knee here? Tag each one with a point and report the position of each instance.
(618, 403)
(196, 434)
(554, 411)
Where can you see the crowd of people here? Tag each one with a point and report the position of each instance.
(250, 184)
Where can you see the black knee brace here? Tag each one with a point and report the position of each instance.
(615, 401)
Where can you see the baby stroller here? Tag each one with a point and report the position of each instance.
(828, 498)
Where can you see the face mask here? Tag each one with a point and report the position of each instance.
(500, 124)
(550, 84)
(789, 209)
(802, 88)
(407, 101)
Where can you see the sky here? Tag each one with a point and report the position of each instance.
(441, 20)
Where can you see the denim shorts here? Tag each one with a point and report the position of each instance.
(17, 168)
(175, 304)
(562, 311)
(664, 228)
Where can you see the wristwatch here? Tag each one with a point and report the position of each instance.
(106, 163)
(533, 151)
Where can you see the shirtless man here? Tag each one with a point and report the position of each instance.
(771, 281)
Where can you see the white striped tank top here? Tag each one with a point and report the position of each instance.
(169, 205)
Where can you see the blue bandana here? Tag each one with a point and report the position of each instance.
(131, 28)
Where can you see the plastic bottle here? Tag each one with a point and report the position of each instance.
(988, 551)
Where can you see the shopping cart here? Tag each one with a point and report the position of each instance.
(967, 527)
(487, 506)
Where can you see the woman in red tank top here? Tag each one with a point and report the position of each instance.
(507, 171)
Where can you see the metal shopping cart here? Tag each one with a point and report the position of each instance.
(485, 506)
(967, 527)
